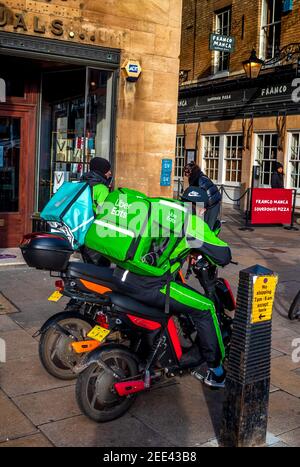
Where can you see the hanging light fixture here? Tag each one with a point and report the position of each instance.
(253, 65)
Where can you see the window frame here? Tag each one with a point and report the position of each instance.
(239, 160)
(265, 25)
(290, 161)
(219, 57)
(222, 159)
(262, 161)
(179, 149)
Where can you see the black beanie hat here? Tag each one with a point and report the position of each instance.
(278, 165)
(98, 164)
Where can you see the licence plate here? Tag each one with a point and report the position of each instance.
(55, 296)
(98, 333)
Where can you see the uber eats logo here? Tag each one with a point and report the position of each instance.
(120, 209)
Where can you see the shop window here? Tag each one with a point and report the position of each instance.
(75, 125)
(211, 156)
(271, 28)
(10, 132)
(223, 26)
(266, 155)
(294, 161)
(233, 158)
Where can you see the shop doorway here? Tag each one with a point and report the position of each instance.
(57, 113)
(17, 136)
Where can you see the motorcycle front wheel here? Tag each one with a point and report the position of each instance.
(294, 311)
(55, 350)
(95, 391)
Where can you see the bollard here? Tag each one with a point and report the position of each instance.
(245, 409)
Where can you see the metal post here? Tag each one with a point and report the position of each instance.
(247, 225)
(222, 201)
(292, 227)
(245, 409)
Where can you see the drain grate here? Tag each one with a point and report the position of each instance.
(7, 306)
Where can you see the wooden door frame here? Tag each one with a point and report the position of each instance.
(26, 169)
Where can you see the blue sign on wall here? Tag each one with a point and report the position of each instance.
(287, 6)
(166, 172)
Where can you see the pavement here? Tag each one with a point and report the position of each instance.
(39, 410)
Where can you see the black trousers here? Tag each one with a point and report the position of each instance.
(183, 299)
(211, 215)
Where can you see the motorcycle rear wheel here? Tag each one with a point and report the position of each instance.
(95, 391)
(55, 351)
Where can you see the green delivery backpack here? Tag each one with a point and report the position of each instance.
(133, 229)
(119, 224)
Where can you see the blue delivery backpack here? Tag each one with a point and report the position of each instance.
(70, 211)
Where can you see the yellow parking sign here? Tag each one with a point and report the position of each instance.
(264, 288)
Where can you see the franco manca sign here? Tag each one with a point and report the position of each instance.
(229, 101)
(221, 43)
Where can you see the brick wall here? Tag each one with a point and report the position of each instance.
(144, 30)
(196, 56)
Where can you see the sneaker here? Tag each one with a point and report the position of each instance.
(210, 379)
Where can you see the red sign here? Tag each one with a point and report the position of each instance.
(271, 206)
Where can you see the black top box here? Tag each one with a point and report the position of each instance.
(47, 251)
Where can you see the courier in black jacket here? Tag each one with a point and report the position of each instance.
(198, 178)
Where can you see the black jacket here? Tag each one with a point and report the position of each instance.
(201, 180)
(277, 180)
(94, 178)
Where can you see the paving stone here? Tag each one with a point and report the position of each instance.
(124, 432)
(292, 438)
(284, 413)
(25, 376)
(283, 332)
(187, 408)
(279, 445)
(32, 441)
(6, 306)
(276, 353)
(19, 344)
(273, 388)
(284, 377)
(284, 344)
(13, 422)
(7, 324)
(48, 406)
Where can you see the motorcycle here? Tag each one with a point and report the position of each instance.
(86, 283)
(111, 376)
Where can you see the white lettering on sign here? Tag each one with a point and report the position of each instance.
(182, 103)
(2, 90)
(274, 90)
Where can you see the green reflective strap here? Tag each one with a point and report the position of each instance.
(196, 301)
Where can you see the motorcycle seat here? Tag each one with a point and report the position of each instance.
(130, 305)
(91, 272)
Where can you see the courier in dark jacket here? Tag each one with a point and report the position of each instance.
(199, 179)
(277, 176)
